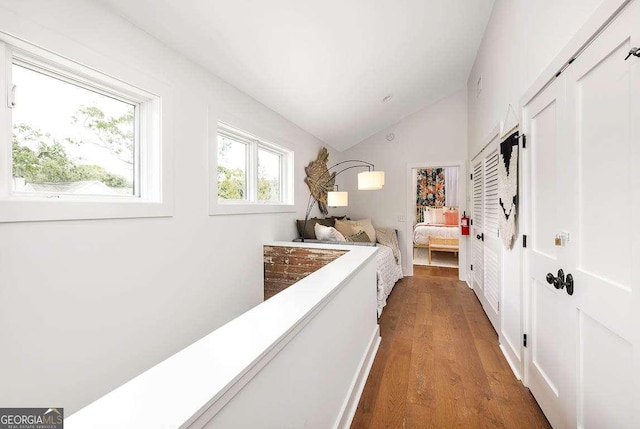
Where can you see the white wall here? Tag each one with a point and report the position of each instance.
(521, 39)
(435, 134)
(87, 305)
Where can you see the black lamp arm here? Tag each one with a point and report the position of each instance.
(367, 164)
(310, 204)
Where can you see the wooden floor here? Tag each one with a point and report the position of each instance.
(439, 366)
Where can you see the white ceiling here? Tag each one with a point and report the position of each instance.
(326, 65)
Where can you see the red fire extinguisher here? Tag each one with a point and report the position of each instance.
(464, 224)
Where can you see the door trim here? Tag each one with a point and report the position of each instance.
(605, 13)
(495, 133)
(411, 211)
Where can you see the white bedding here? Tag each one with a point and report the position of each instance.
(388, 272)
(423, 231)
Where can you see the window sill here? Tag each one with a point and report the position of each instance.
(40, 209)
(217, 209)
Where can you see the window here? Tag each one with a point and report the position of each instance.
(75, 135)
(269, 175)
(70, 139)
(233, 165)
(251, 171)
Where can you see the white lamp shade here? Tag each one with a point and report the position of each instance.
(337, 199)
(370, 180)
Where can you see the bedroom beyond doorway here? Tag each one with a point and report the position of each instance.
(436, 232)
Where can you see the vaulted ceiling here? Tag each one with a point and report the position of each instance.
(325, 65)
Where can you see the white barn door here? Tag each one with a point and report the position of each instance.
(584, 134)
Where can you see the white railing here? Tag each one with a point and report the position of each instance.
(299, 359)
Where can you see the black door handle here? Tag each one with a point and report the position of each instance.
(569, 284)
(480, 236)
(560, 282)
(557, 282)
(634, 51)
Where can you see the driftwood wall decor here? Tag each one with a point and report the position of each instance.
(319, 180)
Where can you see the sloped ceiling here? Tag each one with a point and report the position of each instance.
(325, 65)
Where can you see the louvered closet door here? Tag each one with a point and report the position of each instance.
(477, 215)
(491, 241)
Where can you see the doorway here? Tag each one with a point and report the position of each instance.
(436, 198)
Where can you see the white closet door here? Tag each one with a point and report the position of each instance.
(603, 106)
(551, 353)
(583, 363)
(492, 249)
(477, 216)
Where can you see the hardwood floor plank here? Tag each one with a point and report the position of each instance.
(388, 324)
(439, 365)
(451, 409)
(419, 416)
(478, 395)
(422, 270)
(519, 409)
(422, 367)
(391, 399)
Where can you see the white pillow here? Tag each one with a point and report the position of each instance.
(426, 215)
(327, 233)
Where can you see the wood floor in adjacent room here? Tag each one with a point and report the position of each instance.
(439, 365)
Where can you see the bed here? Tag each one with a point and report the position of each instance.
(422, 232)
(441, 222)
(388, 262)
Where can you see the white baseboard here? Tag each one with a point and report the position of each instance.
(350, 405)
(510, 362)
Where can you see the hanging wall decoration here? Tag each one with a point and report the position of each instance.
(508, 188)
(431, 187)
(319, 180)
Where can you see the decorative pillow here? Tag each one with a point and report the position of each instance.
(347, 227)
(436, 215)
(327, 233)
(367, 226)
(389, 237)
(451, 217)
(309, 232)
(360, 237)
(426, 215)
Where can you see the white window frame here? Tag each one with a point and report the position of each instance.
(250, 205)
(150, 198)
(284, 157)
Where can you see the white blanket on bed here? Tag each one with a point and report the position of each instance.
(388, 272)
(423, 231)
